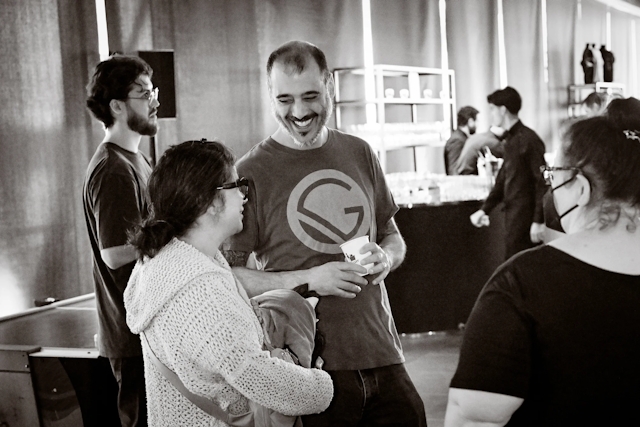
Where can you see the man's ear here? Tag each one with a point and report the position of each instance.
(331, 86)
(116, 107)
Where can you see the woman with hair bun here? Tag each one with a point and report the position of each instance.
(554, 337)
(194, 318)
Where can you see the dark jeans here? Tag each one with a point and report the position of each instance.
(132, 402)
(372, 397)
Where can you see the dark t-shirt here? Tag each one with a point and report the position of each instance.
(114, 198)
(302, 205)
(562, 334)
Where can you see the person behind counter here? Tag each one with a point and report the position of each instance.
(191, 312)
(493, 139)
(453, 147)
(519, 184)
(554, 337)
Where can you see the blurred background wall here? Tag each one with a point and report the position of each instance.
(49, 48)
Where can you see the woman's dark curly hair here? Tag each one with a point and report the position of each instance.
(181, 188)
(113, 79)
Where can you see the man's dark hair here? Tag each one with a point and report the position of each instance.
(465, 114)
(294, 55)
(509, 97)
(113, 79)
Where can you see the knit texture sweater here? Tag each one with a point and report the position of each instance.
(201, 325)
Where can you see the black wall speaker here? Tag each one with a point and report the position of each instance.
(161, 61)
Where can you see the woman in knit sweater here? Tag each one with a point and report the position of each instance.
(196, 318)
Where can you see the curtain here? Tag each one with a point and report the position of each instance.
(621, 46)
(561, 18)
(44, 134)
(525, 70)
(634, 57)
(472, 40)
(415, 26)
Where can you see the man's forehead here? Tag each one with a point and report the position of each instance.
(143, 82)
(289, 79)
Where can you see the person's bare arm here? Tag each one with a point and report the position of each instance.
(117, 256)
(333, 278)
(386, 255)
(473, 408)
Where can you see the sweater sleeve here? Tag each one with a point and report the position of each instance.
(222, 338)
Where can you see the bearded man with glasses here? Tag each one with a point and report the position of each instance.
(122, 97)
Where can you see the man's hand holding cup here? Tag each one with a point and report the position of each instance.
(369, 255)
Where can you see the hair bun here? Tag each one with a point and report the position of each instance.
(161, 224)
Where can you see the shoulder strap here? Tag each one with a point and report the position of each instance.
(207, 405)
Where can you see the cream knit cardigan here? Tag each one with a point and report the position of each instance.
(200, 324)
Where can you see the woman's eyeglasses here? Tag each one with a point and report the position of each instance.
(547, 172)
(241, 183)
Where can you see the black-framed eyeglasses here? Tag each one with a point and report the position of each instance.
(149, 96)
(547, 172)
(241, 183)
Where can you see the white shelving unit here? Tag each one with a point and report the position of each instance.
(427, 92)
(577, 93)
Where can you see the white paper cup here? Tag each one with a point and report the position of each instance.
(351, 250)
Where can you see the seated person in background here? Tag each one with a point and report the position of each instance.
(594, 104)
(554, 337)
(193, 316)
(468, 160)
(453, 147)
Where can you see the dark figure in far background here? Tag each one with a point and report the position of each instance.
(122, 97)
(519, 184)
(608, 59)
(588, 64)
(453, 147)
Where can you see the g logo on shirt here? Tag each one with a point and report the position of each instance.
(326, 209)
